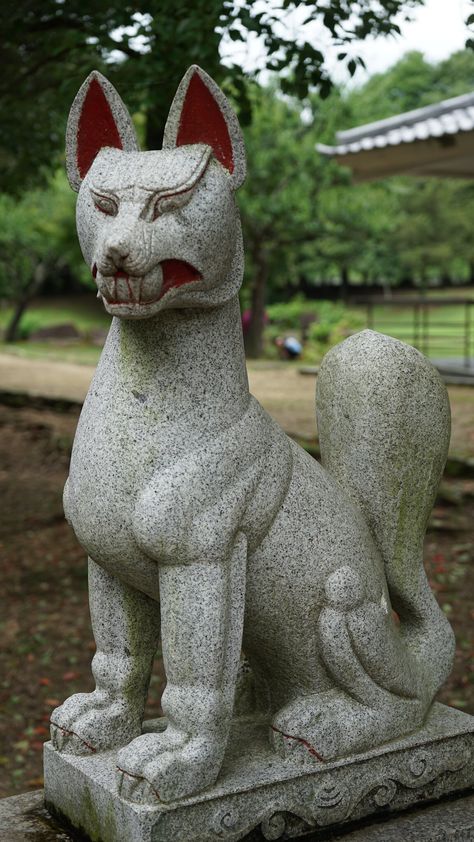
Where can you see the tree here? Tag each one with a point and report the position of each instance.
(305, 223)
(431, 235)
(37, 240)
(411, 83)
(387, 231)
(279, 202)
(356, 226)
(145, 48)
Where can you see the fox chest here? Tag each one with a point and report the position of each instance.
(114, 455)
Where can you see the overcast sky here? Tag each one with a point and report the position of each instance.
(437, 30)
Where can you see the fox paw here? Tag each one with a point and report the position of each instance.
(166, 766)
(88, 722)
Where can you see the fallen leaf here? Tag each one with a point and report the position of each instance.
(35, 782)
(40, 729)
(71, 676)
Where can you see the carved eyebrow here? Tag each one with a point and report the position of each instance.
(190, 182)
(105, 192)
(157, 193)
(161, 194)
(169, 192)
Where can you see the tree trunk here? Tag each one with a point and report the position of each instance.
(446, 279)
(344, 284)
(155, 126)
(254, 337)
(11, 331)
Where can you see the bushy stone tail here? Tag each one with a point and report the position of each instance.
(384, 427)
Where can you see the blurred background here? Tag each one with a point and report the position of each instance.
(343, 230)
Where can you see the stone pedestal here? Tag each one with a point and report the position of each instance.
(24, 818)
(256, 789)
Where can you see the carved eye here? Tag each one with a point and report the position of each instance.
(172, 202)
(105, 204)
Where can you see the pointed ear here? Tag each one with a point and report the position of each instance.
(200, 113)
(97, 118)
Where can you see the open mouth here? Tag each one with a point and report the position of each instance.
(126, 289)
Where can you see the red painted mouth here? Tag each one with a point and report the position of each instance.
(176, 273)
(126, 278)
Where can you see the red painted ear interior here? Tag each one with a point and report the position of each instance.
(202, 121)
(96, 128)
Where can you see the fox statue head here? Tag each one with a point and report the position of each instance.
(160, 229)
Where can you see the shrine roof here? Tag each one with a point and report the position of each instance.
(435, 140)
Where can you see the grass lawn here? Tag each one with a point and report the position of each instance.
(444, 322)
(85, 312)
(444, 328)
(82, 353)
(446, 325)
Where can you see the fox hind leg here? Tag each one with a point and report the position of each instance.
(376, 695)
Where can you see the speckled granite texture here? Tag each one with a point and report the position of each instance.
(24, 818)
(256, 789)
(190, 499)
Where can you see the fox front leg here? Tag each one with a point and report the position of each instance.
(126, 628)
(202, 620)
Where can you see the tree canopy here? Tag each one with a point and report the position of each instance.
(144, 48)
(415, 227)
(304, 223)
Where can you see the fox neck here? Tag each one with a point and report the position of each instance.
(187, 362)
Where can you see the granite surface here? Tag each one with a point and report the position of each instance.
(24, 818)
(256, 789)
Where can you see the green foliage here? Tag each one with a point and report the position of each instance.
(280, 196)
(433, 231)
(279, 202)
(301, 64)
(37, 235)
(288, 315)
(402, 228)
(412, 83)
(331, 323)
(304, 220)
(49, 48)
(305, 223)
(22, 243)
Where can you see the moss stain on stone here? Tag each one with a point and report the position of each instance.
(100, 828)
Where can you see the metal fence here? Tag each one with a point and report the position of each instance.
(429, 330)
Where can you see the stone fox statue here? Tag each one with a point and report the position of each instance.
(188, 496)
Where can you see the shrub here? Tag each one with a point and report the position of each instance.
(333, 321)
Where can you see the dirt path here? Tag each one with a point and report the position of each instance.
(286, 394)
(43, 378)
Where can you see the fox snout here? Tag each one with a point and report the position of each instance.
(119, 252)
(116, 253)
